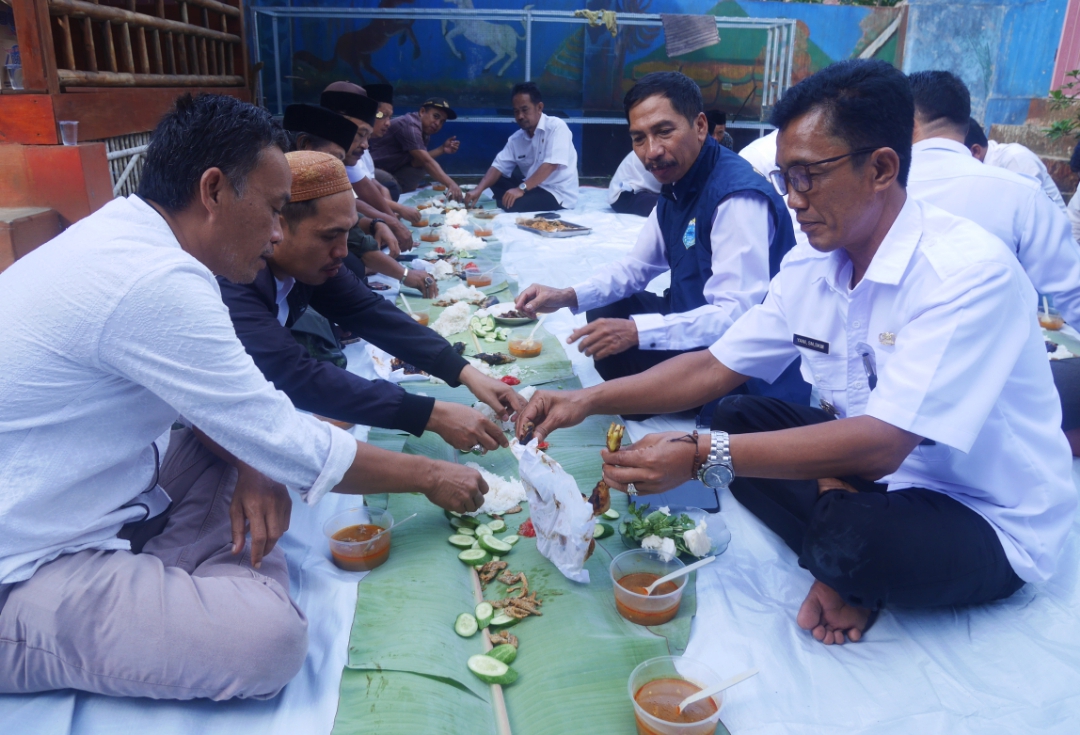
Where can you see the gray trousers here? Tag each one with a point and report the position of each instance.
(185, 618)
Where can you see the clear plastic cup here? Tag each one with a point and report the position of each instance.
(69, 132)
(642, 609)
(521, 345)
(354, 555)
(659, 684)
(420, 317)
(1051, 320)
(14, 75)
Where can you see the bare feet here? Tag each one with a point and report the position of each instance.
(825, 614)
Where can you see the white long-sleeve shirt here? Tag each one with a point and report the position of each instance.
(741, 232)
(112, 331)
(1009, 205)
(551, 142)
(947, 316)
(1074, 215)
(631, 175)
(1022, 160)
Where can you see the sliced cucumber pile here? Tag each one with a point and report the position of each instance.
(484, 613)
(611, 514)
(466, 531)
(475, 557)
(483, 529)
(503, 652)
(460, 541)
(602, 530)
(465, 625)
(494, 545)
(491, 670)
(502, 620)
(496, 526)
(511, 539)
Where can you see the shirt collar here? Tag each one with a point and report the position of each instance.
(891, 260)
(941, 144)
(283, 288)
(688, 186)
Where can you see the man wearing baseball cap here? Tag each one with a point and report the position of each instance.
(403, 152)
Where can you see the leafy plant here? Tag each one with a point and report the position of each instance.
(1064, 98)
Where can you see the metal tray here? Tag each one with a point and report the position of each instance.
(578, 230)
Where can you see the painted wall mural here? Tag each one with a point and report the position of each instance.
(581, 69)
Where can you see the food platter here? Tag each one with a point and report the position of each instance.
(498, 310)
(552, 228)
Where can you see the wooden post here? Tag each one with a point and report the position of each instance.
(69, 48)
(34, 32)
(88, 42)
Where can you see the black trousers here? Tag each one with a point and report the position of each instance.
(641, 203)
(910, 548)
(534, 200)
(635, 360)
(1067, 380)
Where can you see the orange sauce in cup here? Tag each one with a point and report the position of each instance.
(422, 223)
(1052, 322)
(430, 237)
(637, 583)
(438, 187)
(661, 698)
(529, 348)
(421, 317)
(368, 555)
(478, 280)
(482, 231)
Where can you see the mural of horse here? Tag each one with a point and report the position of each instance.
(356, 47)
(500, 38)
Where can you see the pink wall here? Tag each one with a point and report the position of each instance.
(1068, 56)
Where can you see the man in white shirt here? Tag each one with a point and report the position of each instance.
(1011, 206)
(544, 151)
(719, 228)
(917, 328)
(1074, 201)
(633, 190)
(120, 563)
(761, 154)
(1012, 157)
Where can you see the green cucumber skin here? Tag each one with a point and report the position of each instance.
(503, 652)
(466, 622)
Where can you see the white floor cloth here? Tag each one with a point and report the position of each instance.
(1011, 667)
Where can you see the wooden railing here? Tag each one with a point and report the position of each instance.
(133, 43)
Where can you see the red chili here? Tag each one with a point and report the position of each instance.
(440, 250)
(510, 380)
(542, 445)
(527, 529)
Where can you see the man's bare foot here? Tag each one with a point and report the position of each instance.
(828, 618)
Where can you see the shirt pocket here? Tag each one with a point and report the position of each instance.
(828, 375)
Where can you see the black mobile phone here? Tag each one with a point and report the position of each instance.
(691, 494)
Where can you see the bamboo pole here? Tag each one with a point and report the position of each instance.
(110, 46)
(69, 48)
(144, 55)
(70, 78)
(125, 46)
(79, 9)
(88, 44)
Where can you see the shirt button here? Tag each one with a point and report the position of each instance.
(652, 344)
(856, 324)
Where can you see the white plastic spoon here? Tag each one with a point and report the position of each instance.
(406, 302)
(712, 691)
(678, 573)
(537, 326)
(398, 523)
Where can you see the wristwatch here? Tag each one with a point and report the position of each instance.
(716, 472)
(375, 221)
(523, 186)
(405, 274)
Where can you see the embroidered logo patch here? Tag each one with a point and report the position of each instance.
(690, 235)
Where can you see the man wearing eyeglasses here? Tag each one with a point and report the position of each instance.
(935, 472)
(719, 228)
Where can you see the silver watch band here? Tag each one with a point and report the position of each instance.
(404, 275)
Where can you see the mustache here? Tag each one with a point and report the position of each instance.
(665, 163)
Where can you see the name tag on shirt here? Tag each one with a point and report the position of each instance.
(811, 344)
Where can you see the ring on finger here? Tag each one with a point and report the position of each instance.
(630, 489)
(476, 448)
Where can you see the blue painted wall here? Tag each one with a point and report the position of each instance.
(1003, 49)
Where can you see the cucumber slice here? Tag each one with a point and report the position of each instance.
(475, 543)
(469, 522)
(483, 529)
(602, 530)
(511, 539)
(465, 625)
(496, 526)
(502, 620)
(462, 542)
(475, 557)
(466, 531)
(494, 545)
(491, 670)
(484, 613)
(451, 514)
(611, 514)
(503, 652)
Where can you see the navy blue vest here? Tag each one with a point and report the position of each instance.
(685, 214)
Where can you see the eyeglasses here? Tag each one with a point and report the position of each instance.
(799, 176)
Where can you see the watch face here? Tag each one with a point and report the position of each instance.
(523, 186)
(718, 476)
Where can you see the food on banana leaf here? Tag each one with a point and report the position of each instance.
(503, 638)
(495, 358)
(601, 494)
(491, 670)
(504, 652)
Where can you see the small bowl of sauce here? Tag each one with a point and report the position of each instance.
(430, 236)
(420, 317)
(1051, 320)
(658, 685)
(359, 539)
(478, 280)
(521, 345)
(631, 572)
(438, 187)
(422, 223)
(483, 231)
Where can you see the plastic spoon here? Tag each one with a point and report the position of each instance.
(712, 691)
(678, 573)
(535, 327)
(406, 302)
(1046, 307)
(398, 523)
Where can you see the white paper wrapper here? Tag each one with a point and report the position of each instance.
(563, 518)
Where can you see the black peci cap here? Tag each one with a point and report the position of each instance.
(380, 93)
(352, 105)
(324, 123)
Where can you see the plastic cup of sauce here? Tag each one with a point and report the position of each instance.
(658, 685)
(521, 345)
(358, 538)
(631, 572)
(438, 187)
(479, 280)
(1051, 320)
(482, 230)
(420, 317)
(430, 236)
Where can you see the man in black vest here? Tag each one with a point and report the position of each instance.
(719, 228)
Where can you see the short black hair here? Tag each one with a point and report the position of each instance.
(528, 88)
(940, 94)
(1074, 161)
(975, 134)
(867, 103)
(200, 133)
(296, 212)
(715, 117)
(682, 91)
